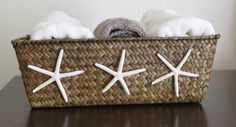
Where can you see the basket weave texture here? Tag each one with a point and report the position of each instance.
(86, 89)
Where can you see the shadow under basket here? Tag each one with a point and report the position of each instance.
(86, 89)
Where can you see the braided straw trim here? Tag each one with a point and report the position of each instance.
(86, 89)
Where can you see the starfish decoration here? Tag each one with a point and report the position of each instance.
(55, 76)
(119, 75)
(175, 71)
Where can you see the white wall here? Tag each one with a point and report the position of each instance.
(18, 17)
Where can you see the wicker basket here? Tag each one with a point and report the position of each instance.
(86, 89)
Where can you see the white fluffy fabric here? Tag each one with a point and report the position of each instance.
(168, 23)
(59, 25)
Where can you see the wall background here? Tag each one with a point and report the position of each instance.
(18, 17)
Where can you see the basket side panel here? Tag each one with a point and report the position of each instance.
(86, 89)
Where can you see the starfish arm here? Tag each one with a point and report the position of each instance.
(163, 78)
(124, 85)
(129, 73)
(40, 70)
(110, 84)
(122, 60)
(166, 62)
(69, 74)
(62, 90)
(59, 60)
(176, 85)
(188, 74)
(44, 84)
(108, 70)
(184, 60)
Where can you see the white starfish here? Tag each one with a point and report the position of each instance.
(119, 75)
(55, 76)
(175, 71)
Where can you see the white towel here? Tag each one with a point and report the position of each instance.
(59, 25)
(168, 23)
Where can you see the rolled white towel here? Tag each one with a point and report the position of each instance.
(59, 25)
(168, 23)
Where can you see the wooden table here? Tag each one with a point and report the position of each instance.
(217, 110)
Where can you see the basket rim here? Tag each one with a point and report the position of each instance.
(26, 39)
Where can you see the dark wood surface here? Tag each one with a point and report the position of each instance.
(217, 110)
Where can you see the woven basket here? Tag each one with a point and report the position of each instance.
(86, 89)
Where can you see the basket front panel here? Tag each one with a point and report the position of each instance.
(86, 89)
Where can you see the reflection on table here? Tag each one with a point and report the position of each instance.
(172, 115)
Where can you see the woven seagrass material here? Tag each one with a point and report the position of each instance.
(119, 28)
(86, 89)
